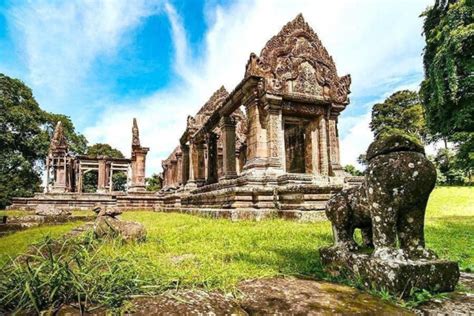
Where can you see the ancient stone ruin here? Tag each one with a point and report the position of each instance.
(65, 171)
(282, 155)
(389, 207)
(108, 225)
(269, 147)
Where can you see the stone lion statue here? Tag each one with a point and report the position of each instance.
(389, 204)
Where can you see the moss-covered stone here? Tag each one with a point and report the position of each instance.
(389, 208)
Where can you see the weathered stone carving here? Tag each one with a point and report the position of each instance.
(58, 142)
(138, 161)
(108, 225)
(389, 206)
(296, 62)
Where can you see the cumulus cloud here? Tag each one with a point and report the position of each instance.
(378, 42)
(60, 41)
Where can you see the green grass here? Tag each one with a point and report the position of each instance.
(451, 201)
(14, 244)
(184, 251)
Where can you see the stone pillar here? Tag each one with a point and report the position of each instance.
(179, 167)
(201, 164)
(257, 149)
(102, 176)
(59, 169)
(312, 148)
(211, 158)
(334, 159)
(275, 134)
(227, 125)
(185, 164)
(48, 175)
(174, 172)
(191, 183)
(138, 161)
(323, 147)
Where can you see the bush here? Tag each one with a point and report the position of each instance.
(55, 274)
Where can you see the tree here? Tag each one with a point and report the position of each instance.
(402, 113)
(446, 165)
(448, 89)
(353, 170)
(25, 133)
(99, 149)
(118, 178)
(23, 142)
(154, 183)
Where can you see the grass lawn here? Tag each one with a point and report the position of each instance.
(13, 244)
(189, 251)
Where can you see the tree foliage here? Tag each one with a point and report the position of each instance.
(154, 182)
(401, 113)
(25, 132)
(350, 169)
(23, 141)
(448, 88)
(99, 149)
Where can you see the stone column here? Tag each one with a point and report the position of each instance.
(191, 183)
(312, 148)
(185, 164)
(323, 147)
(102, 176)
(110, 173)
(257, 149)
(179, 167)
(174, 172)
(59, 169)
(334, 159)
(48, 175)
(138, 169)
(275, 134)
(211, 158)
(201, 164)
(227, 125)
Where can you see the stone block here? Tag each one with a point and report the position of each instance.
(396, 276)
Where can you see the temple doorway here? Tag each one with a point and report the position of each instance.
(295, 147)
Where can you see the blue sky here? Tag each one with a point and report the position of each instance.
(105, 62)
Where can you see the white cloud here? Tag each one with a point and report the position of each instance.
(378, 42)
(60, 41)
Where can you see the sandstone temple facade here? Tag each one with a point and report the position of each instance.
(283, 154)
(269, 146)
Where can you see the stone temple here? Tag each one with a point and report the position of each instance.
(268, 147)
(282, 155)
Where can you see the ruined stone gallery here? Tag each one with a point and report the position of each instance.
(269, 147)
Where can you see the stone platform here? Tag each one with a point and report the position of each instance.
(86, 201)
(396, 276)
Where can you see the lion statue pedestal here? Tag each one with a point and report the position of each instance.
(389, 209)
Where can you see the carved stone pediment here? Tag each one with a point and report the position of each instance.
(58, 141)
(295, 61)
(214, 102)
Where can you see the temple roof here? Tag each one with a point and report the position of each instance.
(295, 62)
(214, 102)
(135, 134)
(58, 141)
